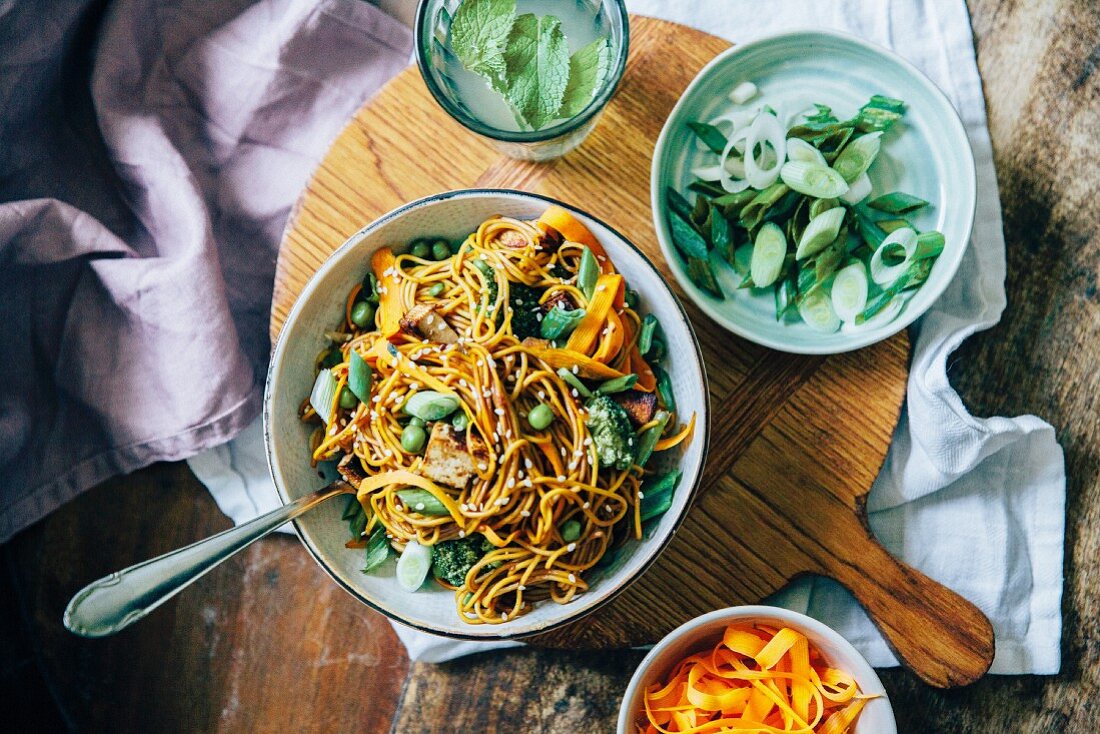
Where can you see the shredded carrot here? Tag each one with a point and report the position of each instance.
(573, 231)
(667, 443)
(351, 302)
(588, 330)
(755, 679)
(611, 339)
(647, 381)
(587, 367)
(389, 290)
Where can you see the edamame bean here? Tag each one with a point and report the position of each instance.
(436, 290)
(540, 417)
(362, 314)
(460, 421)
(348, 399)
(420, 249)
(413, 439)
(570, 530)
(441, 250)
(414, 421)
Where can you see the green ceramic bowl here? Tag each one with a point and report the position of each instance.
(926, 154)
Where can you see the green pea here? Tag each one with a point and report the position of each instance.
(420, 249)
(362, 314)
(540, 417)
(436, 290)
(348, 399)
(570, 530)
(460, 421)
(441, 250)
(413, 439)
(414, 421)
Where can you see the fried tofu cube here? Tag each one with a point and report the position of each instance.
(451, 457)
(640, 406)
(422, 319)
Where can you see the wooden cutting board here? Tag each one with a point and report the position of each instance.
(795, 441)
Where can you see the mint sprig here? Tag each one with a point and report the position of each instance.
(479, 32)
(537, 63)
(526, 59)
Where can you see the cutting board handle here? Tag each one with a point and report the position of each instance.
(943, 638)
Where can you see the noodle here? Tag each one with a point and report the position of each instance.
(530, 482)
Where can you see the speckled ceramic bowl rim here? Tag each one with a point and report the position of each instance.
(864, 674)
(568, 613)
(856, 341)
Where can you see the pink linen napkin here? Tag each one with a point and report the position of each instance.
(149, 156)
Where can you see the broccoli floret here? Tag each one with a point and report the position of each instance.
(524, 301)
(611, 431)
(453, 559)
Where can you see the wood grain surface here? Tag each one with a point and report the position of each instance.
(779, 476)
(253, 663)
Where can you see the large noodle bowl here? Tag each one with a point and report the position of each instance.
(520, 353)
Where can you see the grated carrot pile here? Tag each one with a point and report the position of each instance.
(756, 679)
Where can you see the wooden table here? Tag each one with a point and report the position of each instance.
(266, 642)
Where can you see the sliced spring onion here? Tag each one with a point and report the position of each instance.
(754, 211)
(359, 376)
(559, 322)
(587, 273)
(882, 310)
(816, 309)
(378, 548)
(800, 150)
(857, 156)
(867, 228)
(413, 566)
(929, 244)
(651, 436)
(849, 291)
(897, 202)
(826, 261)
(422, 501)
(820, 232)
(733, 167)
(711, 136)
(429, 405)
(766, 131)
(768, 254)
(685, 237)
(618, 384)
(646, 333)
(677, 203)
(889, 225)
(818, 206)
(323, 395)
(701, 275)
(743, 92)
(858, 190)
(813, 179)
(574, 382)
(901, 242)
(657, 494)
(664, 388)
(721, 236)
(785, 294)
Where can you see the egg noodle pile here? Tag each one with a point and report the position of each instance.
(529, 482)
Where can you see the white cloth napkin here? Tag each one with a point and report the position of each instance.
(977, 504)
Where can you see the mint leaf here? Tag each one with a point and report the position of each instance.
(479, 33)
(537, 59)
(587, 70)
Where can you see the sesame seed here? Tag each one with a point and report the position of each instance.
(561, 477)
(527, 463)
(504, 616)
(571, 547)
(525, 513)
(641, 495)
(575, 393)
(542, 395)
(522, 587)
(463, 507)
(511, 482)
(576, 369)
(462, 533)
(419, 506)
(499, 411)
(482, 467)
(538, 317)
(586, 505)
(528, 483)
(572, 578)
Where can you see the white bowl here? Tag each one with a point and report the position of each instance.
(927, 154)
(701, 633)
(453, 215)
